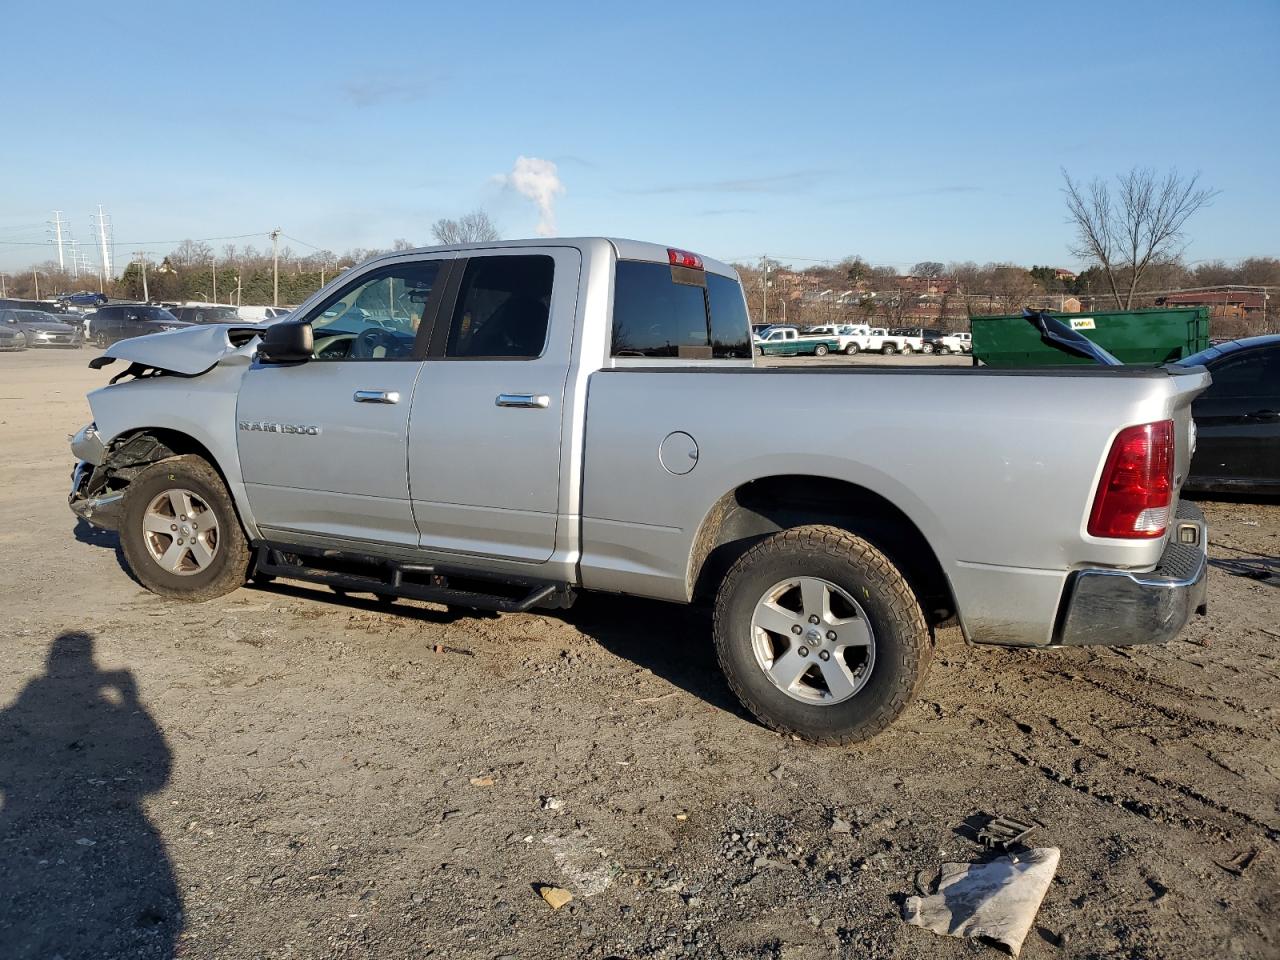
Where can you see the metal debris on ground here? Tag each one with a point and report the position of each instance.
(1005, 833)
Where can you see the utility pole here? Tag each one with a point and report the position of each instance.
(36, 277)
(75, 261)
(142, 263)
(275, 267)
(57, 223)
(214, 260)
(3, 291)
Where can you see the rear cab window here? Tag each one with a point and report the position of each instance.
(669, 312)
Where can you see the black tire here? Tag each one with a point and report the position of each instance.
(820, 350)
(760, 351)
(887, 349)
(943, 349)
(903, 647)
(100, 340)
(926, 348)
(229, 567)
(851, 350)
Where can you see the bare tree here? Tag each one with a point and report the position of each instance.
(1142, 224)
(929, 269)
(474, 227)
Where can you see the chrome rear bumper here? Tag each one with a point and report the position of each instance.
(1117, 608)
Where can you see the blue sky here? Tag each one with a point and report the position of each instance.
(898, 131)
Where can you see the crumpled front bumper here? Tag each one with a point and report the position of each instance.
(1119, 608)
(88, 500)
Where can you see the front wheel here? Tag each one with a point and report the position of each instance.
(820, 350)
(820, 636)
(179, 532)
(100, 340)
(927, 348)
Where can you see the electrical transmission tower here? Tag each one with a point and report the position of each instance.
(56, 225)
(102, 227)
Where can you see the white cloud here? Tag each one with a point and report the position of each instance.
(539, 181)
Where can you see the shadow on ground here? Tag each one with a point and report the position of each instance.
(83, 873)
(670, 640)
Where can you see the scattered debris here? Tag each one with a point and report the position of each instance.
(556, 897)
(841, 826)
(682, 816)
(552, 803)
(1005, 833)
(583, 864)
(665, 696)
(997, 900)
(1240, 862)
(482, 781)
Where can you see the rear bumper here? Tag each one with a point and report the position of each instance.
(1119, 608)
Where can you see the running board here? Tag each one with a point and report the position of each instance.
(453, 587)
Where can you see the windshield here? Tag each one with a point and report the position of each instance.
(1201, 358)
(158, 314)
(35, 316)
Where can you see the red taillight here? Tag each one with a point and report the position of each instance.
(1136, 490)
(683, 258)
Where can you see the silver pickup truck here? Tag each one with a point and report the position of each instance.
(503, 425)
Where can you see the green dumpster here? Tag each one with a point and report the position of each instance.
(1141, 337)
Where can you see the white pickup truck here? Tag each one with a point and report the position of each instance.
(503, 425)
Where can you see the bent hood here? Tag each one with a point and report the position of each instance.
(189, 351)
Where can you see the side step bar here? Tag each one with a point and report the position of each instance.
(453, 587)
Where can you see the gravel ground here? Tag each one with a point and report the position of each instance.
(286, 773)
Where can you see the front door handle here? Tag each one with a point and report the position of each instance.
(376, 396)
(538, 400)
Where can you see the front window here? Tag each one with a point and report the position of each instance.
(376, 317)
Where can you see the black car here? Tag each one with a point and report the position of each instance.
(1238, 417)
(120, 321)
(203, 314)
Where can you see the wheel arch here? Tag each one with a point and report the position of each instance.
(128, 451)
(758, 508)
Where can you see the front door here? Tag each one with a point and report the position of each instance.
(484, 456)
(1238, 418)
(323, 444)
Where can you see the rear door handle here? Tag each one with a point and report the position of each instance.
(538, 400)
(376, 396)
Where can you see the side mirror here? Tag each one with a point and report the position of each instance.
(289, 342)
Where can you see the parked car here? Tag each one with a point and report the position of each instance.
(930, 337)
(253, 314)
(205, 313)
(12, 338)
(1238, 417)
(787, 342)
(954, 343)
(827, 551)
(42, 329)
(851, 338)
(120, 321)
(83, 299)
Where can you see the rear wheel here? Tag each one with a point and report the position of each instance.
(820, 636)
(926, 348)
(820, 350)
(760, 351)
(180, 533)
(887, 349)
(851, 349)
(100, 340)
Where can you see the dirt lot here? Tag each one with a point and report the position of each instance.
(283, 773)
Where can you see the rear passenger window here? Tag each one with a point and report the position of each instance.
(730, 328)
(657, 315)
(503, 307)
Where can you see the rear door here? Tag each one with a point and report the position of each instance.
(485, 435)
(324, 444)
(1238, 418)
